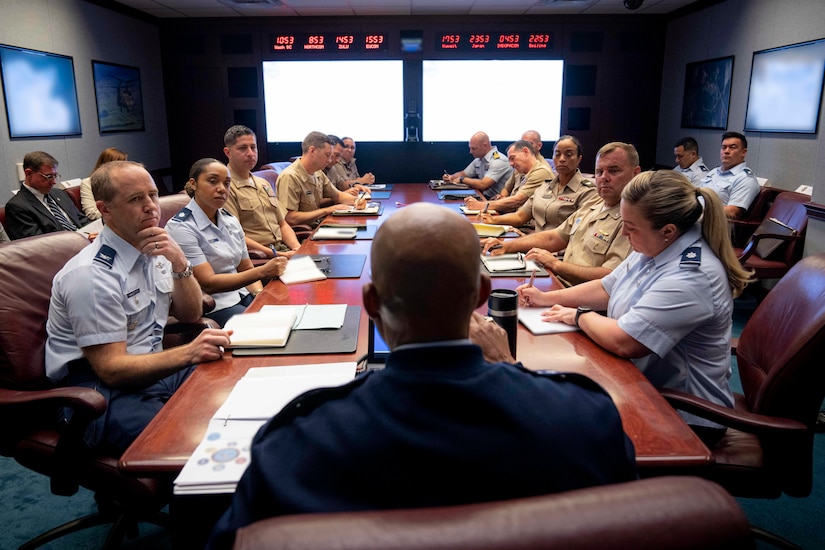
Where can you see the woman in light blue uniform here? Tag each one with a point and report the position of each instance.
(670, 303)
(213, 242)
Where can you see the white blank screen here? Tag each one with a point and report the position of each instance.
(501, 98)
(364, 99)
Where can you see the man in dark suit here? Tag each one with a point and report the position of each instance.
(450, 420)
(38, 207)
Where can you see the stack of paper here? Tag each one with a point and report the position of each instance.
(509, 262)
(223, 455)
(371, 208)
(473, 212)
(328, 233)
(301, 270)
(489, 229)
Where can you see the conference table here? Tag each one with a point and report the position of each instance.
(663, 442)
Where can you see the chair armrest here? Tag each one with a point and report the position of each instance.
(748, 251)
(177, 333)
(758, 424)
(85, 400)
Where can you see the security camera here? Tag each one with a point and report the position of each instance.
(633, 4)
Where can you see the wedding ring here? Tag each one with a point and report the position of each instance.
(156, 245)
(488, 319)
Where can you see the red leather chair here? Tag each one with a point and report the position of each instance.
(171, 205)
(660, 513)
(74, 194)
(29, 402)
(768, 447)
(743, 227)
(760, 255)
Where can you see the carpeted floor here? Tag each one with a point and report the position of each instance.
(29, 508)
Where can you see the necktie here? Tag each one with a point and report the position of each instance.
(59, 215)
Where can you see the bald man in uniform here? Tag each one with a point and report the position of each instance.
(440, 425)
(489, 170)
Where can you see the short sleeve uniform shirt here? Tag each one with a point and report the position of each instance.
(493, 165)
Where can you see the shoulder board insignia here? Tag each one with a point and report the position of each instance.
(183, 215)
(748, 171)
(496, 155)
(691, 256)
(703, 168)
(586, 182)
(225, 212)
(305, 403)
(575, 378)
(106, 256)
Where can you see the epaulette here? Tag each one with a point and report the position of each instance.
(691, 257)
(496, 155)
(106, 256)
(226, 212)
(183, 215)
(308, 401)
(703, 168)
(573, 377)
(748, 171)
(586, 182)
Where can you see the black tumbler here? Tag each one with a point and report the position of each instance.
(502, 306)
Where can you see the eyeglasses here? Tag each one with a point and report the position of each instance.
(50, 177)
(349, 147)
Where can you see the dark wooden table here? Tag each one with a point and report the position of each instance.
(664, 443)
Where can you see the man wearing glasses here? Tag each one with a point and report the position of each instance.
(348, 162)
(39, 207)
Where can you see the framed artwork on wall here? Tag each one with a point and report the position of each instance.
(118, 96)
(707, 94)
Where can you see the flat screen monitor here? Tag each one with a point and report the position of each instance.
(378, 350)
(503, 98)
(786, 89)
(359, 98)
(41, 98)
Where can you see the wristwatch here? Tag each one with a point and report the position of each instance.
(187, 272)
(460, 179)
(581, 310)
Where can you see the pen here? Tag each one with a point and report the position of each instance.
(486, 206)
(532, 279)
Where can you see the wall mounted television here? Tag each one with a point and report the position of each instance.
(786, 88)
(368, 103)
(461, 97)
(41, 97)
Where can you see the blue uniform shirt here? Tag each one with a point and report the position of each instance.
(222, 245)
(109, 292)
(680, 306)
(736, 187)
(696, 172)
(492, 165)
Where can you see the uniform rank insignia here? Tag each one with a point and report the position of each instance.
(691, 256)
(748, 171)
(182, 215)
(703, 168)
(496, 155)
(106, 256)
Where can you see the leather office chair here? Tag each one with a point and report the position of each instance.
(74, 194)
(768, 447)
(760, 253)
(743, 227)
(29, 402)
(171, 205)
(659, 513)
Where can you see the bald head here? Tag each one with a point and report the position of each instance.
(426, 278)
(479, 144)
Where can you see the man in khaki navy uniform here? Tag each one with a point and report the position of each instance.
(528, 171)
(591, 237)
(348, 163)
(303, 185)
(734, 182)
(521, 185)
(252, 200)
(688, 161)
(489, 170)
(334, 170)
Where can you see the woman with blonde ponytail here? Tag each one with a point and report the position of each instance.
(670, 303)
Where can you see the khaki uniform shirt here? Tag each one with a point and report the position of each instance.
(527, 183)
(254, 204)
(338, 176)
(350, 168)
(594, 236)
(550, 208)
(298, 191)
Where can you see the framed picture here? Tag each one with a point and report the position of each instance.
(118, 96)
(41, 98)
(707, 94)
